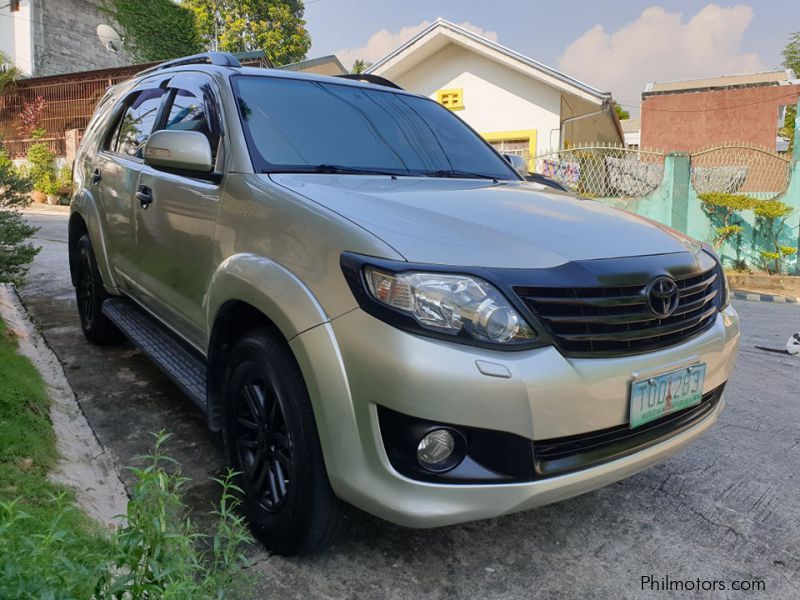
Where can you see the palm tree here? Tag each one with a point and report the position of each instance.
(360, 66)
(8, 71)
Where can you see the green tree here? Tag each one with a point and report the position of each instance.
(360, 65)
(8, 71)
(274, 26)
(723, 208)
(771, 218)
(15, 252)
(621, 112)
(155, 30)
(791, 60)
(791, 53)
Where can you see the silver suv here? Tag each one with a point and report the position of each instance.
(375, 309)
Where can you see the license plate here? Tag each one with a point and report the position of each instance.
(663, 394)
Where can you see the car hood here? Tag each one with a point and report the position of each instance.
(471, 222)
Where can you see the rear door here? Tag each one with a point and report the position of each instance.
(176, 230)
(115, 171)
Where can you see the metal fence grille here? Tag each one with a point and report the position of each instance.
(69, 105)
(740, 169)
(604, 171)
(70, 101)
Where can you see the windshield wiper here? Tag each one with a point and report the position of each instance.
(334, 169)
(459, 174)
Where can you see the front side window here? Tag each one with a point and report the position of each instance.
(296, 125)
(136, 123)
(190, 112)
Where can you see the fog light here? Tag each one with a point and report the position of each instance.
(435, 449)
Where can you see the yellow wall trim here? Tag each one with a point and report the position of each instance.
(517, 134)
(452, 98)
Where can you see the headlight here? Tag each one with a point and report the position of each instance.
(450, 304)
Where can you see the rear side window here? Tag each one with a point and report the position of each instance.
(136, 123)
(194, 110)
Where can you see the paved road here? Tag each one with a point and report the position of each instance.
(727, 508)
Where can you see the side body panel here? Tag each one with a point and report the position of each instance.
(176, 231)
(86, 201)
(120, 176)
(271, 244)
(175, 249)
(86, 205)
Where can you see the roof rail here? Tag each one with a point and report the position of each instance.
(368, 78)
(221, 59)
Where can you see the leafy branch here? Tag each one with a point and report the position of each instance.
(771, 217)
(724, 207)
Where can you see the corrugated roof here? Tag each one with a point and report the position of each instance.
(722, 81)
(630, 125)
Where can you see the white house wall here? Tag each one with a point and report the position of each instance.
(16, 39)
(496, 98)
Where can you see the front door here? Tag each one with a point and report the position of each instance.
(176, 229)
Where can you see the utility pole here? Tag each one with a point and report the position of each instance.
(216, 25)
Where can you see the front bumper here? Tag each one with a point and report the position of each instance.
(356, 362)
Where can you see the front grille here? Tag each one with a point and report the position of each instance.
(558, 456)
(615, 321)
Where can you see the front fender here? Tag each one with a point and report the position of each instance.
(267, 286)
(84, 205)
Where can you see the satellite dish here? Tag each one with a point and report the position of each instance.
(109, 38)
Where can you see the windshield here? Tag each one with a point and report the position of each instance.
(304, 126)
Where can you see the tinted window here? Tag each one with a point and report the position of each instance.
(295, 125)
(137, 122)
(189, 112)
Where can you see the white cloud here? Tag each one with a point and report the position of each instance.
(660, 46)
(384, 41)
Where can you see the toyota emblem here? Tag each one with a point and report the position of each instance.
(662, 297)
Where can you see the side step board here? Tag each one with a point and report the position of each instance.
(180, 364)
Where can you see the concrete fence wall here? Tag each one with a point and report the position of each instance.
(676, 203)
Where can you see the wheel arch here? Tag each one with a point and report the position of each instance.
(85, 218)
(249, 292)
(76, 229)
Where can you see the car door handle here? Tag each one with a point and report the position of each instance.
(96, 177)
(145, 196)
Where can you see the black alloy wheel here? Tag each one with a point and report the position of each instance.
(273, 445)
(263, 445)
(90, 295)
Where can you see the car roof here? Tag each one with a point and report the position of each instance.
(228, 72)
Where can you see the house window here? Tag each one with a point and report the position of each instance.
(521, 142)
(452, 99)
(518, 147)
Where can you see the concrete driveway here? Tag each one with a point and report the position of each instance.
(727, 509)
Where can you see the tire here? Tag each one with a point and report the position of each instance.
(90, 295)
(272, 442)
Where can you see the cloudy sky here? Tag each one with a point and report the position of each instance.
(614, 45)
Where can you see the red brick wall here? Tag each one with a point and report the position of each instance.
(690, 121)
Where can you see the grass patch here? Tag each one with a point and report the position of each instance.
(50, 549)
(46, 545)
